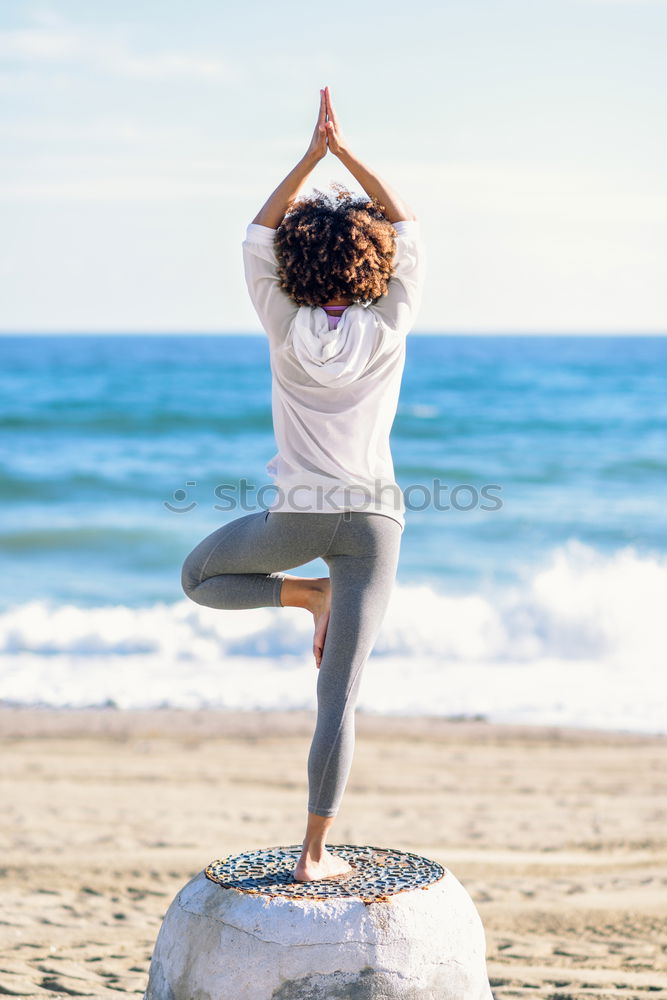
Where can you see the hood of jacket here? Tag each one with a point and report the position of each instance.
(339, 356)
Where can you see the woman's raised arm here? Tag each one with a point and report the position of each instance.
(272, 212)
(395, 209)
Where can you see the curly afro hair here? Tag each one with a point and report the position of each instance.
(338, 247)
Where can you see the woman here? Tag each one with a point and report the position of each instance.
(336, 284)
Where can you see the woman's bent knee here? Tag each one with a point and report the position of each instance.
(190, 577)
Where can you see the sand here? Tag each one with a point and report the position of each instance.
(560, 836)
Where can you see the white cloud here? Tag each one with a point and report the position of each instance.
(54, 45)
(166, 64)
(113, 188)
(502, 190)
(167, 166)
(39, 44)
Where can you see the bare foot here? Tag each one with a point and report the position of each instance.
(321, 609)
(315, 596)
(328, 866)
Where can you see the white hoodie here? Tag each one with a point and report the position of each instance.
(335, 392)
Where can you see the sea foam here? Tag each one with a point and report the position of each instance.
(580, 640)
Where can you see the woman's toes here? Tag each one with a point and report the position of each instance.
(321, 614)
(329, 866)
(318, 648)
(318, 643)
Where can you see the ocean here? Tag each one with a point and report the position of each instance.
(532, 583)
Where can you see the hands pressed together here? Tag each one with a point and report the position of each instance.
(327, 134)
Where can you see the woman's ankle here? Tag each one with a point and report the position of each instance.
(315, 852)
(317, 831)
(293, 592)
(298, 591)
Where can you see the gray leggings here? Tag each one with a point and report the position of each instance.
(238, 566)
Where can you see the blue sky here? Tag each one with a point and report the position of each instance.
(139, 138)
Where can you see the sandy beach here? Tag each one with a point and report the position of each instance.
(559, 835)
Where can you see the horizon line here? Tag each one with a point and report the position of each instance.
(261, 333)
